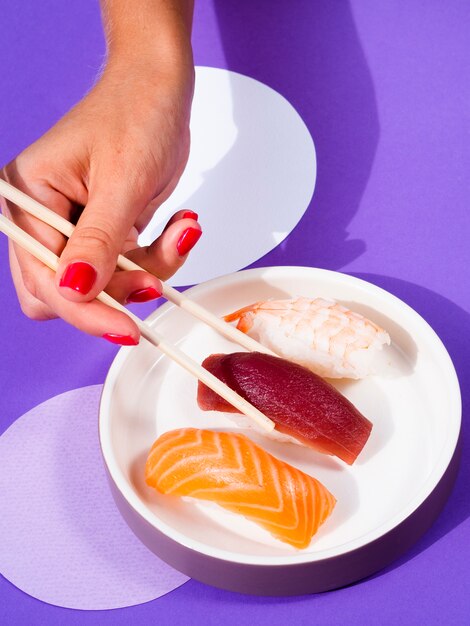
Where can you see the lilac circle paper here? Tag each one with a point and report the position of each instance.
(62, 540)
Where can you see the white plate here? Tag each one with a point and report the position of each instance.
(385, 500)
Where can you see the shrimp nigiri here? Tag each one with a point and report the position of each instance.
(320, 334)
(229, 469)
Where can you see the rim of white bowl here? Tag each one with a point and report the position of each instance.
(443, 460)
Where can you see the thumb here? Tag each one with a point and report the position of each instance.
(88, 261)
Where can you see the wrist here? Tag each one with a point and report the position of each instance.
(153, 77)
(166, 61)
(151, 34)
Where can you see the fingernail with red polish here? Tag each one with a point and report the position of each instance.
(188, 240)
(121, 340)
(79, 276)
(143, 295)
(190, 215)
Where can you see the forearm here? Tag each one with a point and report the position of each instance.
(148, 31)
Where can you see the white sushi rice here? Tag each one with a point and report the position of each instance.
(245, 423)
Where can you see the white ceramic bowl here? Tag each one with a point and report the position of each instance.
(386, 500)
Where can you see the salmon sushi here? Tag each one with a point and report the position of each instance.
(232, 471)
(319, 333)
(302, 405)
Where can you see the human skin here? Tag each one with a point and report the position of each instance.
(107, 165)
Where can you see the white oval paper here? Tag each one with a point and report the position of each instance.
(250, 175)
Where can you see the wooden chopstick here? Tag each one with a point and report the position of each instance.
(46, 256)
(44, 214)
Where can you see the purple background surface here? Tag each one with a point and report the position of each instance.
(384, 89)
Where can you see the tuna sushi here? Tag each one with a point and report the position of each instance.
(301, 404)
(238, 475)
(318, 333)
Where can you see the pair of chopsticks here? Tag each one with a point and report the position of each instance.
(46, 256)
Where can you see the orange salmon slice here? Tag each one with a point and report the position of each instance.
(237, 474)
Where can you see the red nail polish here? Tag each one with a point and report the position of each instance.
(79, 276)
(190, 215)
(188, 240)
(143, 295)
(121, 340)
(186, 215)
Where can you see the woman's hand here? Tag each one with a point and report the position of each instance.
(119, 153)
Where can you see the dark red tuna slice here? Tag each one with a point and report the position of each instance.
(300, 403)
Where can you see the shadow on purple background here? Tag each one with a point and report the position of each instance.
(452, 324)
(292, 50)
